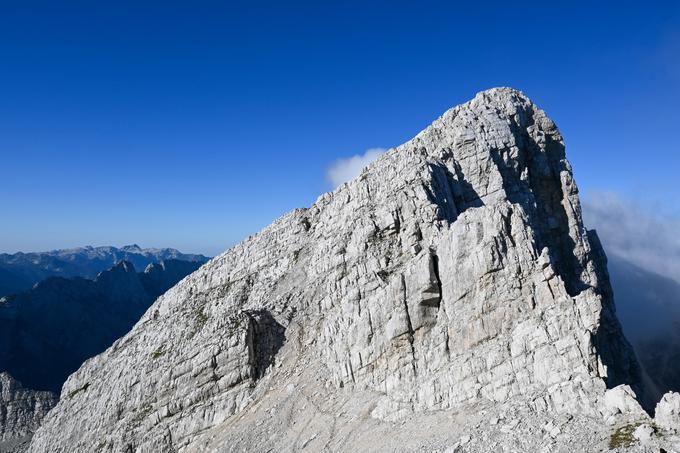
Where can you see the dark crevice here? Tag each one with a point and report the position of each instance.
(266, 338)
(351, 370)
(508, 227)
(451, 193)
(465, 196)
(435, 269)
(397, 222)
(405, 301)
(409, 325)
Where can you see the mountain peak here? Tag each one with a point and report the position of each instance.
(502, 91)
(454, 273)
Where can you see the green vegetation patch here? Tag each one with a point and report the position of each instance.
(235, 324)
(143, 412)
(623, 437)
(81, 389)
(201, 317)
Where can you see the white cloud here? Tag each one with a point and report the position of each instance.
(634, 232)
(343, 170)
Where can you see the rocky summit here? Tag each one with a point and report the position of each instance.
(447, 299)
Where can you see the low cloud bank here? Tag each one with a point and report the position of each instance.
(635, 233)
(643, 248)
(343, 170)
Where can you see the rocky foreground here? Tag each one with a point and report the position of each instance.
(448, 299)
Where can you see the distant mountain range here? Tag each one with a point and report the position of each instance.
(20, 271)
(47, 332)
(59, 308)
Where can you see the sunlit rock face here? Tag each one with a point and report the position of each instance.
(454, 273)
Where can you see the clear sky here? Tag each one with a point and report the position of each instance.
(192, 124)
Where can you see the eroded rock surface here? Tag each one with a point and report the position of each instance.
(21, 411)
(451, 284)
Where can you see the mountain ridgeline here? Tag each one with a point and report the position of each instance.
(20, 271)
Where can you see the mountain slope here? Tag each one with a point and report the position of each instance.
(47, 332)
(20, 271)
(453, 275)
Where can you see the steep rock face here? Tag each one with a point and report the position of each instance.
(21, 410)
(454, 271)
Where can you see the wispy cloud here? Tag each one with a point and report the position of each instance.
(637, 233)
(343, 170)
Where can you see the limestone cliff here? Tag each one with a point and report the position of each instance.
(451, 284)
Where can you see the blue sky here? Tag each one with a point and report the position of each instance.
(194, 124)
